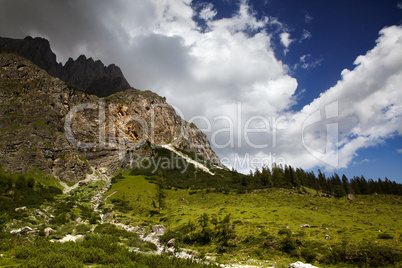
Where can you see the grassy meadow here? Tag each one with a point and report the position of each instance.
(263, 220)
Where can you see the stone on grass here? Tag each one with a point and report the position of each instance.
(25, 230)
(299, 264)
(48, 231)
(159, 229)
(171, 243)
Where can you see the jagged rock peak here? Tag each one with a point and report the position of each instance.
(85, 74)
(36, 50)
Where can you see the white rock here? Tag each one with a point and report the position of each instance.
(159, 230)
(48, 230)
(69, 238)
(299, 264)
(20, 208)
(16, 231)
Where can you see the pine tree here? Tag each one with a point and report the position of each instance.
(160, 195)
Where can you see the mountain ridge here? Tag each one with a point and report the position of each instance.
(35, 106)
(84, 73)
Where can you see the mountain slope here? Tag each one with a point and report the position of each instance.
(47, 125)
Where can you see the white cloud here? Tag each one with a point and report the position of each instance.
(399, 5)
(306, 35)
(399, 151)
(369, 111)
(208, 12)
(305, 62)
(285, 39)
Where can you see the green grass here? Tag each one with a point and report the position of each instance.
(263, 213)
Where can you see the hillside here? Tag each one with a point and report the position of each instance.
(41, 132)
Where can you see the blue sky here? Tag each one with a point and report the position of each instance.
(231, 66)
(336, 32)
(340, 31)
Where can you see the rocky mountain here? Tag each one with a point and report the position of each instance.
(47, 125)
(88, 75)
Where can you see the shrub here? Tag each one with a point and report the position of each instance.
(270, 242)
(385, 236)
(308, 254)
(285, 231)
(288, 244)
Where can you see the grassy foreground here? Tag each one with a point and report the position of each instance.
(265, 224)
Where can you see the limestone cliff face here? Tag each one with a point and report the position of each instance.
(146, 116)
(47, 125)
(88, 75)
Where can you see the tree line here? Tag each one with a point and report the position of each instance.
(287, 177)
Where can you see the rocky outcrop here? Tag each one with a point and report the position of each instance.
(93, 77)
(88, 75)
(47, 126)
(36, 50)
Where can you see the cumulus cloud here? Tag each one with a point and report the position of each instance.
(225, 72)
(368, 108)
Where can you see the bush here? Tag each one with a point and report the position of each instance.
(94, 250)
(285, 231)
(270, 242)
(288, 244)
(368, 254)
(385, 236)
(308, 254)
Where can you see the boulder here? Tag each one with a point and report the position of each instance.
(171, 243)
(159, 230)
(299, 264)
(305, 226)
(20, 208)
(25, 230)
(327, 237)
(48, 231)
(33, 232)
(83, 183)
(107, 216)
(351, 197)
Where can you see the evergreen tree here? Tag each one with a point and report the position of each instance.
(160, 191)
(345, 184)
(266, 179)
(322, 182)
